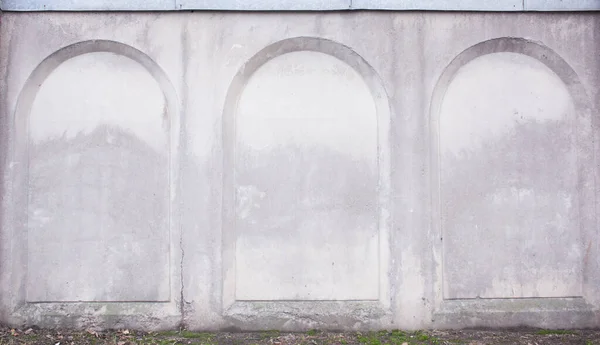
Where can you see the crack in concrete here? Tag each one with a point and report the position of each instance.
(181, 301)
(182, 141)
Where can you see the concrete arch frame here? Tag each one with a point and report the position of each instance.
(533, 312)
(319, 313)
(138, 314)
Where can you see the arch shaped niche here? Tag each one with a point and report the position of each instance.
(93, 128)
(512, 173)
(306, 148)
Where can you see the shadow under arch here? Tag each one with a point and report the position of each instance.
(25, 101)
(582, 123)
(383, 114)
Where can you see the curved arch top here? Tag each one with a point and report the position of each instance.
(295, 44)
(50, 63)
(517, 45)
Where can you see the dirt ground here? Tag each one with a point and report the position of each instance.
(9, 336)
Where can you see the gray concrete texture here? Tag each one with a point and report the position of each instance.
(358, 170)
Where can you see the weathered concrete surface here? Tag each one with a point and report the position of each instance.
(358, 170)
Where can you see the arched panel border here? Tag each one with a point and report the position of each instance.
(108, 313)
(245, 313)
(480, 312)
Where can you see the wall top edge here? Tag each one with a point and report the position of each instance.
(300, 5)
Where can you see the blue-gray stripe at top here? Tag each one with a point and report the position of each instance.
(300, 5)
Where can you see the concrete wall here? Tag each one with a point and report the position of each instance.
(358, 170)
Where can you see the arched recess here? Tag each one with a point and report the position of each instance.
(512, 174)
(93, 129)
(273, 135)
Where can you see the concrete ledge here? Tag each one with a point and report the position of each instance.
(153, 316)
(306, 315)
(526, 312)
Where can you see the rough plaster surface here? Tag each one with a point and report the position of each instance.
(358, 170)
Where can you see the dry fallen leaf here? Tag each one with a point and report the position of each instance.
(126, 331)
(29, 331)
(121, 343)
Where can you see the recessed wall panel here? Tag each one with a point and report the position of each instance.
(509, 182)
(306, 177)
(98, 202)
